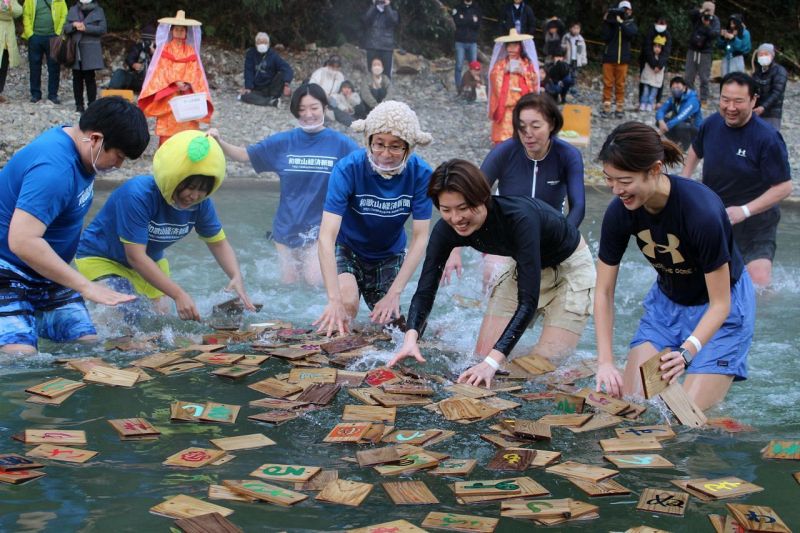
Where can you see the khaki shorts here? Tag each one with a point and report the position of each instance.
(566, 293)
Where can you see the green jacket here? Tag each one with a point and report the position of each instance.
(59, 9)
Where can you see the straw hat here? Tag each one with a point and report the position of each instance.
(513, 37)
(180, 20)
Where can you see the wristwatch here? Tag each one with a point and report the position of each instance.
(687, 357)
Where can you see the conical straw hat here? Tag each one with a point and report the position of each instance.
(513, 37)
(180, 20)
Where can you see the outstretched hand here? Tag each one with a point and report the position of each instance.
(333, 318)
(609, 378)
(99, 293)
(673, 366)
(480, 373)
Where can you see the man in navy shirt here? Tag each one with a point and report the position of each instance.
(747, 165)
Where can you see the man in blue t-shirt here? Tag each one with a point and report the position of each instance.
(47, 188)
(747, 165)
(362, 238)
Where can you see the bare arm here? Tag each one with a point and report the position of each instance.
(691, 163)
(237, 153)
(335, 317)
(607, 374)
(226, 258)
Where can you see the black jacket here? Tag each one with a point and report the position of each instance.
(525, 16)
(468, 22)
(618, 38)
(379, 28)
(703, 38)
(647, 55)
(771, 86)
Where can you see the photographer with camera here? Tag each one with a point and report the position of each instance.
(380, 22)
(705, 31)
(618, 31)
(137, 61)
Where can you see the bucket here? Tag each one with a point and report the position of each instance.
(189, 107)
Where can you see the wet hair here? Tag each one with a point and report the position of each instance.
(196, 181)
(123, 125)
(636, 147)
(677, 79)
(542, 103)
(740, 78)
(311, 89)
(458, 175)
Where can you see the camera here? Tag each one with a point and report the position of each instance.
(613, 13)
(707, 17)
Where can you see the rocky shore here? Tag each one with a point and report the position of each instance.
(459, 130)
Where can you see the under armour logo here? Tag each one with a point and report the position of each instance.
(741, 152)
(651, 247)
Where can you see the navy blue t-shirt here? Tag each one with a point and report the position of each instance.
(740, 164)
(686, 240)
(557, 177)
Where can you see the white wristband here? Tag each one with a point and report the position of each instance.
(695, 341)
(491, 362)
(745, 210)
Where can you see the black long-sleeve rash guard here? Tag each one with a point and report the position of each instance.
(526, 229)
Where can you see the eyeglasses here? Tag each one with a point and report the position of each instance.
(394, 150)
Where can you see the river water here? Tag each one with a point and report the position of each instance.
(114, 491)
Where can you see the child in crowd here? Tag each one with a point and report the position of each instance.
(652, 80)
(574, 50)
(345, 105)
(473, 87)
(553, 39)
(559, 80)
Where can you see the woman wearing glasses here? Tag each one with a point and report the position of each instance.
(362, 240)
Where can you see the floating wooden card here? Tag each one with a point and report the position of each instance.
(350, 378)
(345, 492)
(43, 400)
(647, 529)
(55, 436)
(55, 387)
(728, 424)
(291, 354)
(275, 388)
(725, 487)
(606, 402)
(649, 460)
(598, 421)
(630, 444)
(181, 365)
(17, 477)
(411, 436)
(219, 358)
(581, 471)
(204, 348)
(569, 404)
(683, 484)
(578, 511)
(782, 449)
(318, 482)
(319, 393)
(207, 523)
(395, 526)
(221, 492)
(528, 489)
(398, 400)
(253, 360)
(134, 429)
(158, 360)
(565, 420)
(650, 372)
(757, 518)
(378, 456)
(12, 461)
(796, 476)
(663, 501)
(219, 412)
(182, 506)
(409, 463)
(409, 493)
(61, 453)
(364, 395)
(194, 457)
(534, 364)
(276, 403)
(536, 396)
(348, 432)
(443, 435)
(264, 491)
(379, 376)
(312, 375)
(367, 413)
(186, 411)
(279, 472)
(454, 467)
(460, 408)
(414, 389)
(515, 460)
(606, 487)
(530, 429)
(111, 376)
(243, 442)
(535, 509)
(275, 416)
(469, 391)
(460, 522)
(491, 487)
(544, 458)
(237, 371)
(660, 432)
(635, 411)
(343, 344)
(501, 441)
(684, 409)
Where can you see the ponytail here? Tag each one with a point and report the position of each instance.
(636, 147)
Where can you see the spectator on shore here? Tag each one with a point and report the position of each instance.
(652, 78)
(473, 84)
(86, 23)
(9, 53)
(518, 16)
(735, 42)
(559, 80)
(619, 30)
(380, 23)
(553, 40)
(660, 65)
(346, 106)
(40, 21)
(375, 87)
(266, 74)
(771, 79)
(329, 76)
(705, 31)
(575, 49)
(137, 61)
(680, 117)
(467, 18)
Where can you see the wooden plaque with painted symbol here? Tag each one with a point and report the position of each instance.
(460, 522)
(535, 509)
(395, 526)
(454, 467)
(725, 487)
(348, 432)
(18, 477)
(650, 372)
(194, 457)
(630, 444)
(516, 460)
(237, 371)
(408, 463)
(488, 487)
(410, 436)
(134, 429)
(528, 488)
(782, 449)
(265, 491)
(305, 376)
(186, 411)
(663, 501)
(658, 432)
(757, 518)
(219, 358)
(280, 472)
(645, 460)
(220, 412)
(381, 376)
(183, 506)
(581, 471)
(61, 453)
(55, 387)
(55, 436)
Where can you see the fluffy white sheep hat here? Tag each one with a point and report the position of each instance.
(396, 118)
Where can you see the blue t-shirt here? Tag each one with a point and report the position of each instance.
(686, 240)
(303, 161)
(740, 164)
(374, 209)
(557, 177)
(46, 179)
(137, 213)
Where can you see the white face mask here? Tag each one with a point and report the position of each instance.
(377, 71)
(84, 2)
(94, 158)
(387, 172)
(311, 128)
(660, 28)
(764, 61)
(262, 48)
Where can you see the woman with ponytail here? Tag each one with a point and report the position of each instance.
(702, 305)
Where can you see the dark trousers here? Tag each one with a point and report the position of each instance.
(683, 134)
(79, 79)
(3, 70)
(126, 79)
(38, 48)
(266, 95)
(384, 55)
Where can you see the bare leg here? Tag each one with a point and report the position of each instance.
(310, 260)
(631, 379)
(553, 342)
(19, 349)
(493, 265)
(707, 390)
(760, 271)
(348, 287)
(288, 264)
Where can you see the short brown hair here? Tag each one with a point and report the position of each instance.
(458, 175)
(636, 147)
(545, 105)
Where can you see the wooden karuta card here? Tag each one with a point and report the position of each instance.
(663, 501)
(581, 471)
(55, 436)
(645, 460)
(134, 429)
(219, 412)
(395, 526)
(605, 487)
(183, 506)
(61, 453)
(757, 517)
(281, 472)
(454, 467)
(658, 432)
(460, 522)
(55, 387)
(111, 376)
(17, 477)
(219, 358)
(194, 457)
(409, 493)
(243, 442)
(725, 487)
(186, 411)
(345, 492)
(12, 461)
(348, 432)
(516, 460)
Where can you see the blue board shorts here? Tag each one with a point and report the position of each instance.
(667, 324)
(29, 310)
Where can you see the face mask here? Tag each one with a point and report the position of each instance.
(262, 48)
(95, 158)
(84, 2)
(311, 128)
(660, 28)
(386, 172)
(677, 94)
(377, 71)
(764, 61)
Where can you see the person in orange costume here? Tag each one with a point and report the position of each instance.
(514, 72)
(176, 69)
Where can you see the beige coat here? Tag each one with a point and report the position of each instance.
(9, 10)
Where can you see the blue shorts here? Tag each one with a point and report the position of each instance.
(667, 324)
(43, 309)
